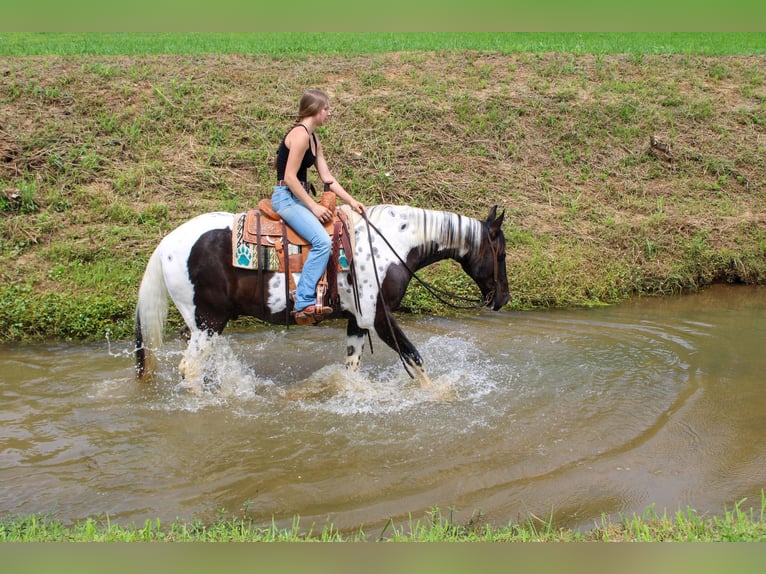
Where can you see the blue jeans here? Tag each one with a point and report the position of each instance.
(305, 224)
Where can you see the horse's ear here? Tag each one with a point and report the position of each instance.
(495, 221)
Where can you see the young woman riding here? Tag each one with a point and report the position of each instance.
(299, 150)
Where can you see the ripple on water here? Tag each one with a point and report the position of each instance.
(549, 368)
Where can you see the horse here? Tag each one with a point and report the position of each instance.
(193, 266)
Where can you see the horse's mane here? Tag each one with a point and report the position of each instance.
(443, 230)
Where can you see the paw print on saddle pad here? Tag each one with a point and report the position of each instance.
(244, 256)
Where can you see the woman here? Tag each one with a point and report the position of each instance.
(299, 150)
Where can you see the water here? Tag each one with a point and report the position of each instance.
(565, 414)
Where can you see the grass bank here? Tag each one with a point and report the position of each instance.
(734, 525)
(622, 174)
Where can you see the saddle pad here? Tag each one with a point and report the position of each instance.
(245, 254)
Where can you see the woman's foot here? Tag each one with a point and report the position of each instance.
(312, 314)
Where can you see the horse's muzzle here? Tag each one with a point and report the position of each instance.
(496, 301)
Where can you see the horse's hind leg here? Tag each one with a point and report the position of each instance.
(354, 344)
(194, 362)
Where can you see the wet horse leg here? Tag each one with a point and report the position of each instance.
(388, 330)
(193, 363)
(354, 344)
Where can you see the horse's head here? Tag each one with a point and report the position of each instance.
(486, 265)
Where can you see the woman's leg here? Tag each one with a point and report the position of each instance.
(300, 218)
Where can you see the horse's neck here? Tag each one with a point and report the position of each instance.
(432, 236)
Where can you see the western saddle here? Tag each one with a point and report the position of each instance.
(263, 226)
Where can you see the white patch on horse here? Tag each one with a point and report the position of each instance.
(276, 301)
(175, 251)
(411, 228)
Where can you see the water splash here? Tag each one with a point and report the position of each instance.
(459, 372)
(227, 374)
(218, 376)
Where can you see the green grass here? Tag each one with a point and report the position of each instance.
(734, 525)
(292, 44)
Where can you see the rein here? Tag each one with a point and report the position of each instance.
(386, 310)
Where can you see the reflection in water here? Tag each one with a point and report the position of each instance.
(572, 414)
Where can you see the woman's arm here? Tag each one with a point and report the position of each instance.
(328, 179)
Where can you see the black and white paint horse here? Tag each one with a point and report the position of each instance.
(193, 264)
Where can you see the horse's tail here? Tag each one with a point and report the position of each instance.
(151, 312)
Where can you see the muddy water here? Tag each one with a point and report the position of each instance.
(571, 414)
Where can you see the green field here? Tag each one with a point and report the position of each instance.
(107, 145)
(287, 44)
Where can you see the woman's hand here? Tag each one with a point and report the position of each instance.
(357, 206)
(323, 214)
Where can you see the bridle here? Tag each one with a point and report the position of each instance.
(495, 271)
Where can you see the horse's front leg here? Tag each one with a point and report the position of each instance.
(388, 330)
(354, 344)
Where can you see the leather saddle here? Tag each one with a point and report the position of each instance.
(271, 225)
(264, 227)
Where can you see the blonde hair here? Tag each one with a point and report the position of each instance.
(312, 102)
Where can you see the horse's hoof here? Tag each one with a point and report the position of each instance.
(352, 364)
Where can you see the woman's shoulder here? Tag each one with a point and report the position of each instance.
(297, 134)
(299, 128)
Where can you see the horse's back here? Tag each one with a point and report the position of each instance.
(192, 229)
(177, 244)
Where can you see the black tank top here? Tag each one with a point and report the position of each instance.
(308, 158)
